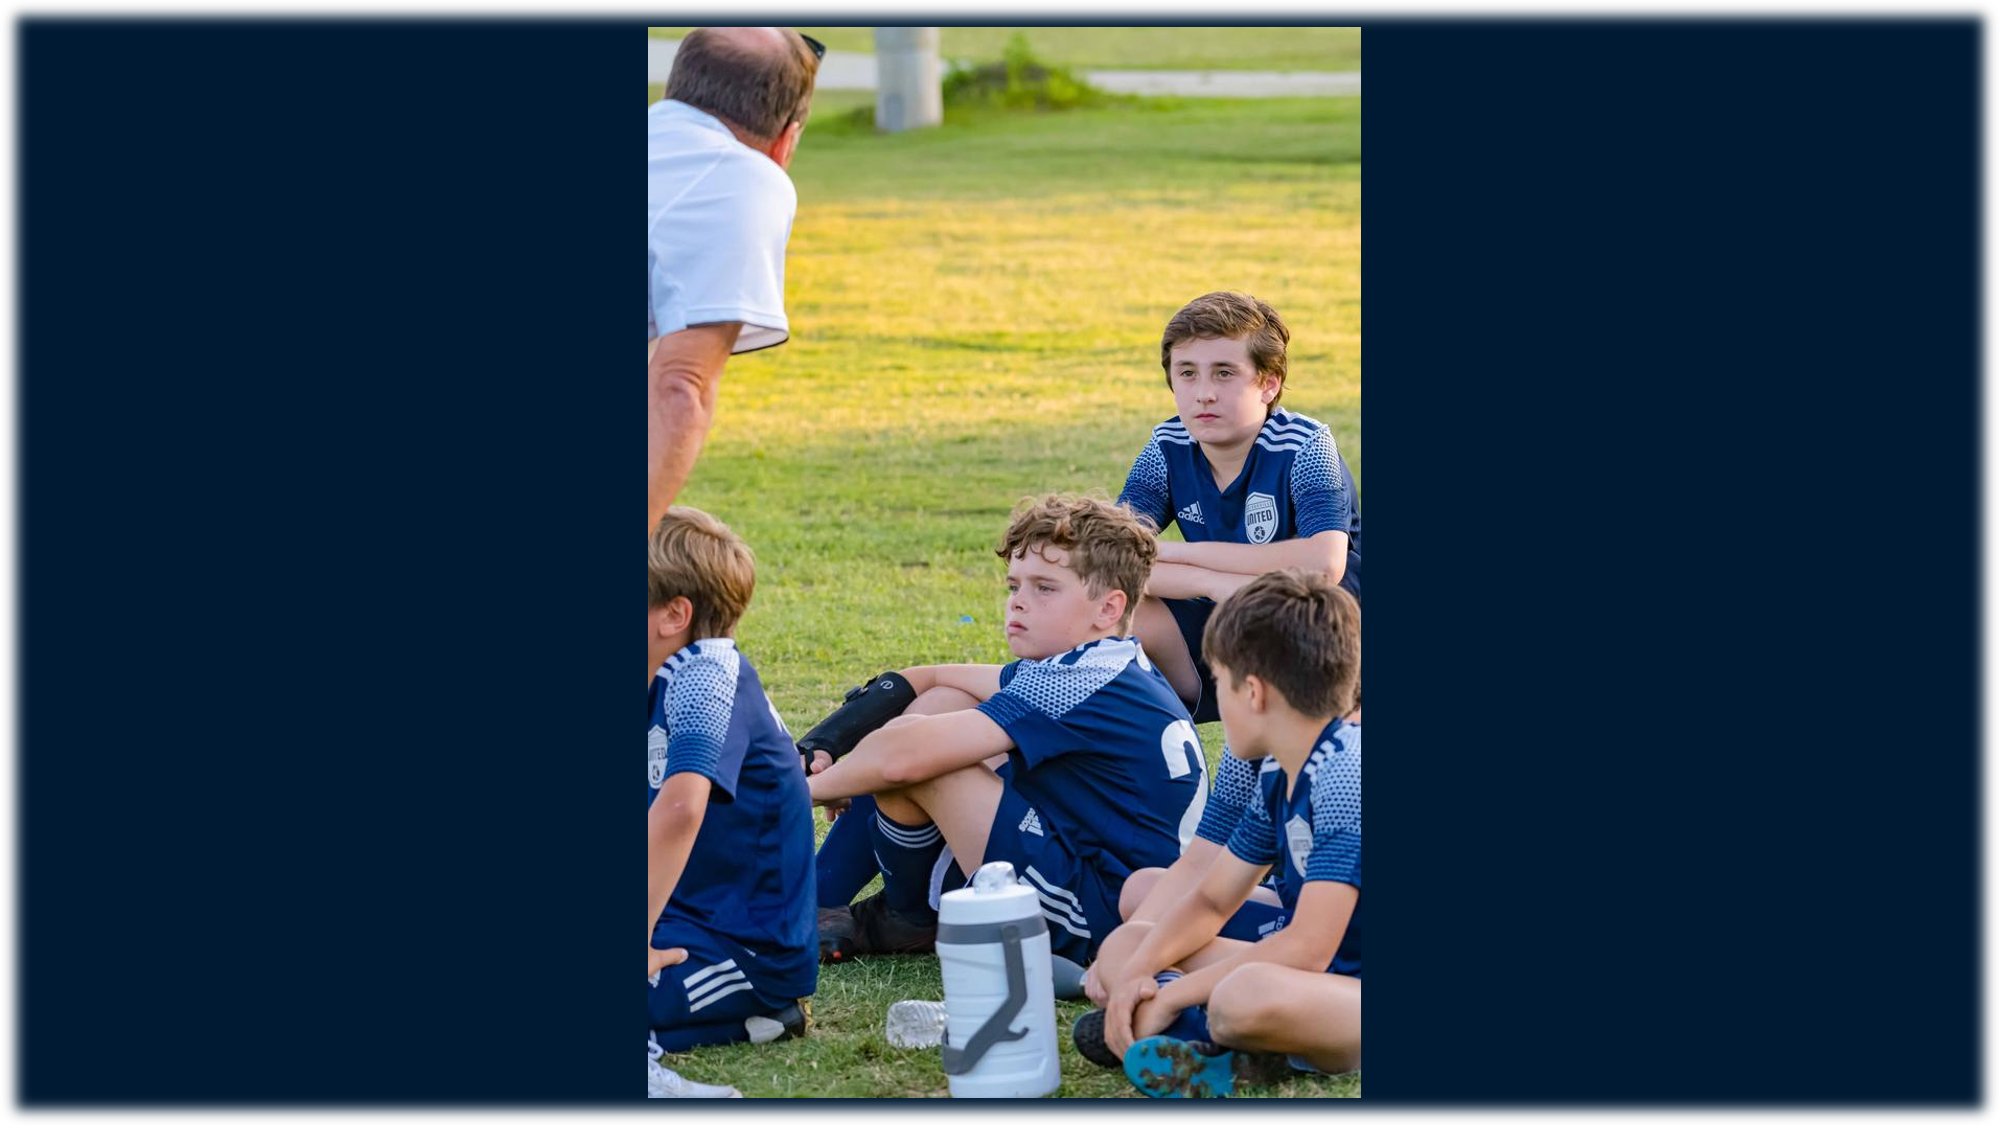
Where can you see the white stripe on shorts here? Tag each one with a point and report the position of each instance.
(726, 978)
(696, 978)
(1051, 888)
(714, 996)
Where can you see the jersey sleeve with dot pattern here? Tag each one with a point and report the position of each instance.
(700, 697)
(1255, 840)
(1235, 790)
(1336, 813)
(1146, 491)
(1036, 694)
(1322, 495)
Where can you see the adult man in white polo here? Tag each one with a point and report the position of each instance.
(719, 207)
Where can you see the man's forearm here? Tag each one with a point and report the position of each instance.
(676, 426)
(682, 375)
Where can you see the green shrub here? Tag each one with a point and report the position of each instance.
(1019, 81)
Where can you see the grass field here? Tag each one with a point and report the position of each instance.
(976, 313)
(1129, 48)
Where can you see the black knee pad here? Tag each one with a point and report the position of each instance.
(866, 709)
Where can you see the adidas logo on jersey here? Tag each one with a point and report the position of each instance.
(1190, 514)
(1032, 823)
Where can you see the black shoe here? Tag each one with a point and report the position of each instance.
(1089, 1037)
(869, 926)
(836, 934)
(788, 1022)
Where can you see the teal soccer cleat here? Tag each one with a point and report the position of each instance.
(1165, 1067)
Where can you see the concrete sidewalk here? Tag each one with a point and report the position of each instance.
(851, 70)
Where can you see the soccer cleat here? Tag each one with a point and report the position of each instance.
(869, 926)
(1088, 1034)
(788, 1022)
(664, 1083)
(1165, 1067)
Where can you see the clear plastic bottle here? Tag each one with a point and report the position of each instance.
(916, 1023)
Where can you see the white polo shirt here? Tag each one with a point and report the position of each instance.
(718, 215)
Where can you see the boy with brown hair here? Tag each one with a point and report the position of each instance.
(1191, 1012)
(1254, 488)
(1103, 773)
(729, 834)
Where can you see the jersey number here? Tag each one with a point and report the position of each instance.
(1181, 747)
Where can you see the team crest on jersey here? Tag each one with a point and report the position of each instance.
(656, 757)
(1260, 517)
(1299, 836)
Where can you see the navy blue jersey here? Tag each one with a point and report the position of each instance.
(1106, 752)
(1313, 833)
(1238, 785)
(750, 876)
(1294, 485)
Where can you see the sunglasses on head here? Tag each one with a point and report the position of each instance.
(818, 48)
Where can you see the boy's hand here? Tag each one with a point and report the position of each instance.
(1126, 996)
(821, 762)
(1093, 990)
(1151, 1017)
(657, 959)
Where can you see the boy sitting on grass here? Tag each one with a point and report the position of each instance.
(1254, 488)
(729, 832)
(1103, 773)
(1286, 649)
(1150, 892)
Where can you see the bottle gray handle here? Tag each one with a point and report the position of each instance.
(957, 1061)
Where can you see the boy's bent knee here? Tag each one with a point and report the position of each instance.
(1138, 885)
(1242, 1005)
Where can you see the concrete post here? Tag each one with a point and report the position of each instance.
(909, 90)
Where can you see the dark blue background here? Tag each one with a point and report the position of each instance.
(328, 550)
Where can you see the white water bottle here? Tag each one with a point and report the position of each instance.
(915, 1023)
(1000, 1005)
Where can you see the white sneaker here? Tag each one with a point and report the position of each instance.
(664, 1083)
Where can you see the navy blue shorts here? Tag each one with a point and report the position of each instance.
(1254, 921)
(1192, 615)
(716, 984)
(1081, 911)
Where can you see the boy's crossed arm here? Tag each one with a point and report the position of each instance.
(1139, 1007)
(980, 681)
(1216, 570)
(909, 750)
